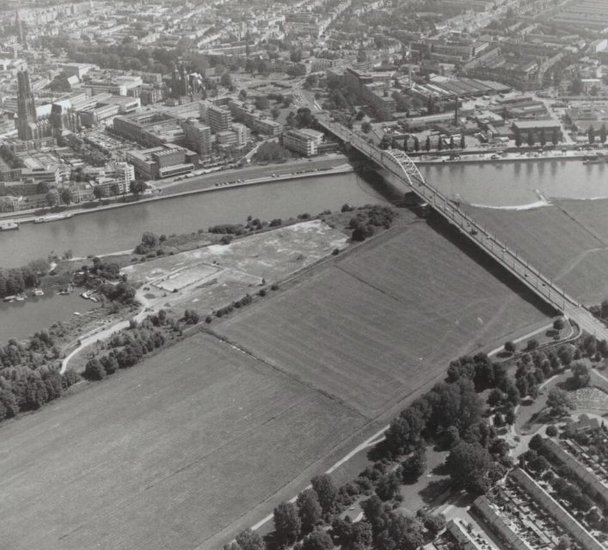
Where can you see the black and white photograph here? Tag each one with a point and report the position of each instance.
(303, 274)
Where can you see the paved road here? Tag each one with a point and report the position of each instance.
(404, 172)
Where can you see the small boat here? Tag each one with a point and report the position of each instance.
(38, 292)
(77, 313)
(11, 298)
(40, 220)
(594, 159)
(20, 297)
(8, 226)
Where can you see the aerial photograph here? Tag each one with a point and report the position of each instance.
(303, 274)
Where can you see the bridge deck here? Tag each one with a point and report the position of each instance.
(403, 168)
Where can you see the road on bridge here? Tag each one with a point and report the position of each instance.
(398, 164)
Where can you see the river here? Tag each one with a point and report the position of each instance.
(512, 183)
(121, 228)
(491, 184)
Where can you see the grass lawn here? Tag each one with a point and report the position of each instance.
(379, 324)
(165, 455)
(565, 249)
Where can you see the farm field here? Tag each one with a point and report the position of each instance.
(166, 455)
(379, 324)
(570, 251)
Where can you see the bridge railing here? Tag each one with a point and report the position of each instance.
(400, 165)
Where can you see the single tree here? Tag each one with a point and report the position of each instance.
(52, 197)
(366, 127)
(94, 370)
(603, 133)
(471, 467)
(555, 136)
(250, 540)
(387, 487)
(286, 524)
(318, 540)
(137, 187)
(580, 376)
(415, 465)
(531, 139)
(99, 192)
(591, 134)
(462, 142)
(559, 402)
(427, 144)
(326, 491)
(309, 510)
(517, 139)
(452, 143)
(66, 196)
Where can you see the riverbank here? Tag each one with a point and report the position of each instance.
(495, 156)
(337, 164)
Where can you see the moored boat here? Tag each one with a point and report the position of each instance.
(8, 226)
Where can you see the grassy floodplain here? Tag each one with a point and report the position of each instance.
(382, 322)
(188, 448)
(568, 241)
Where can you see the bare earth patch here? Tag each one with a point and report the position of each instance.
(214, 276)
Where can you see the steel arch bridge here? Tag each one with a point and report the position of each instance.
(400, 165)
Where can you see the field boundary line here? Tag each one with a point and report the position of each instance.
(242, 349)
(584, 227)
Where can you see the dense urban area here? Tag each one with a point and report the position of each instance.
(299, 274)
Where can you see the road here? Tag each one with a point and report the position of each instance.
(253, 172)
(404, 173)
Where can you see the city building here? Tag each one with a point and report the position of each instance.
(162, 162)
(219, 118)
(198, 137)
(305, 142)
(150, 129)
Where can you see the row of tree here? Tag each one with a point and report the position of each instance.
(412, 143)
(24, 389)
(131, 345)
(541, 138)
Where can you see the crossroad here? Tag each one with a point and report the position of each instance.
(397, 163)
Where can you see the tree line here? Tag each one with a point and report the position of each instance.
(24, 389)
(130, 345)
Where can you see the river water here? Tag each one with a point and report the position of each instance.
(512, 183)
(21, 319)
(501, 184)
(121, 228)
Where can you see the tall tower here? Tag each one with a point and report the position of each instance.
(26, 108)
(19, 27)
